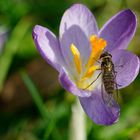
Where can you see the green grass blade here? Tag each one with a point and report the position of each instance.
(11, 48)
(35, 94)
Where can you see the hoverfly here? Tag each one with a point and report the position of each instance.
(109, 85)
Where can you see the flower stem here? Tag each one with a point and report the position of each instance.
(77, 123)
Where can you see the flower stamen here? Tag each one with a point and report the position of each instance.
(90, 71)
(97, 46)
(77, 58)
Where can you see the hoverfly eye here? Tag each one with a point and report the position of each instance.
(102, 55)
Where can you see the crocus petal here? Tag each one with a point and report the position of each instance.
(70, 86)
(79, 15)
(98, 111)
(119, 30)
(126, 66)
(76, 26)
(48, 46)
(3, 38)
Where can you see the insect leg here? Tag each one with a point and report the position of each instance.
(93, 81)
(115, 74)
(119, 66)
(97, 61)
(116, 90)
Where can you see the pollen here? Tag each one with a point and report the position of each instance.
(97, 46)
(86, 74)
(90, 71)
(76, 57)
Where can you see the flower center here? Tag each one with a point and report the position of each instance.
(97, 46)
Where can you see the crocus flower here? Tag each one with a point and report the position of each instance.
(75, 52)
(3, 38)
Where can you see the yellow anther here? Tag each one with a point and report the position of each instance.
(102, 43)
(90, 71)
(77, 58)
(97, 46)
(93, 38)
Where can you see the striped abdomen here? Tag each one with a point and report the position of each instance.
(108, 80)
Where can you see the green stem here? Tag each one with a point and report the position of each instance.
(78, 123)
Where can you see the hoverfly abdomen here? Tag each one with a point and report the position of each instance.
(108, 80)
(108, 75)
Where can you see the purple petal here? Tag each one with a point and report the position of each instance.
(76, 26)
(119, 30)
(3, 38)
(79, 15)
(98, 111)
(48, 46)
(127, 67)
(70, 86)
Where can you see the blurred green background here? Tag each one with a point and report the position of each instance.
(33, 106)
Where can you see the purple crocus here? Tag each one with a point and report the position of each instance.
(75, 52)
(3, 38)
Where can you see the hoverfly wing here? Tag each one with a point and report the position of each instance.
(109, 99)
